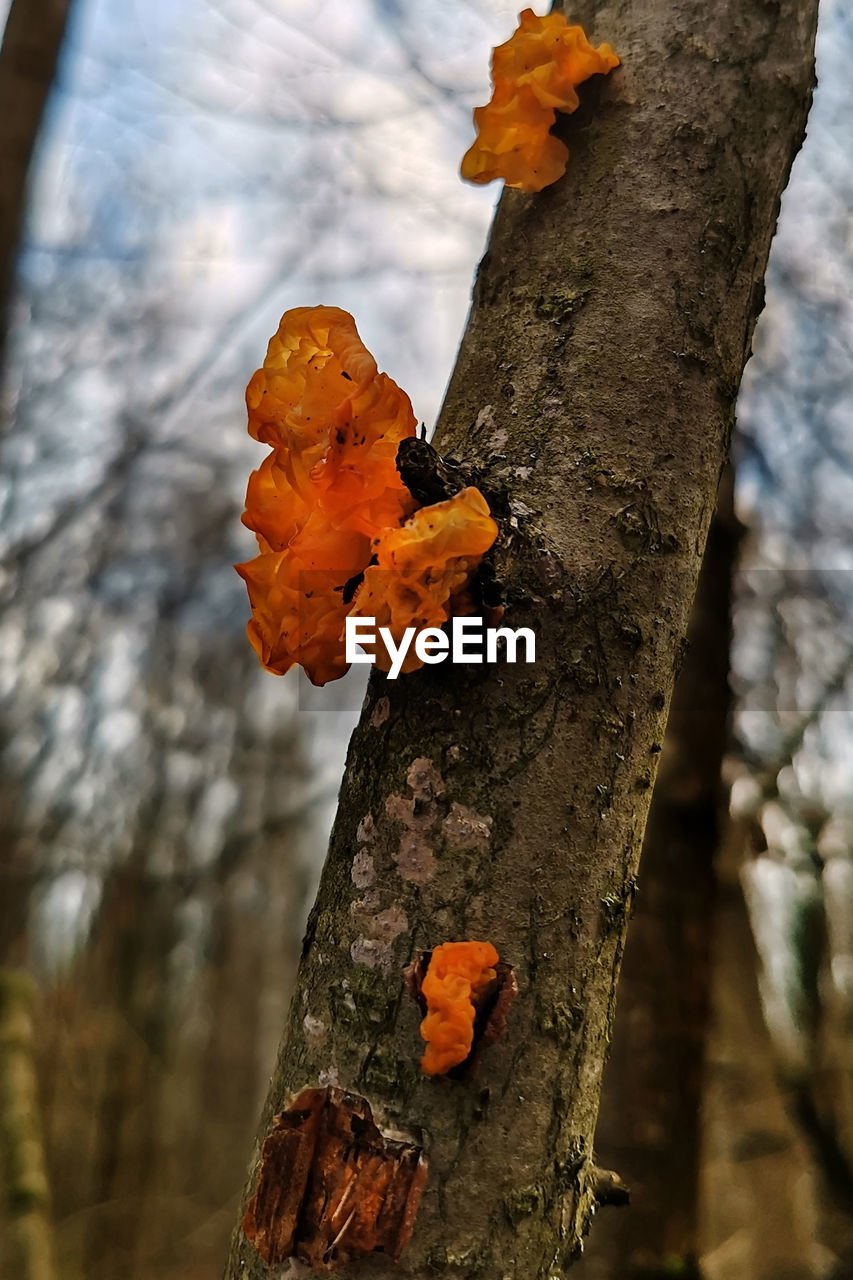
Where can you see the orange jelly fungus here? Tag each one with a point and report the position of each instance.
(333, 420)
(458, 973)
(423, 569)
(329, 497)
(534, 75)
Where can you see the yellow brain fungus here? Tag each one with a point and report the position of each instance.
(423, 569)
(534, 75)
(333, 420)
(458, 973)
(329, 497)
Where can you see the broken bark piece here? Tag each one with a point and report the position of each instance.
(491, 1002)
(330, 1186)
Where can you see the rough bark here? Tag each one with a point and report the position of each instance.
(654, 1079)
(595, 384)
(28, 54)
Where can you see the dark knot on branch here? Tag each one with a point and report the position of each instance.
(607, 1187)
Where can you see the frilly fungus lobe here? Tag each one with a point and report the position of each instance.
(535, 74)
(329, 497)
(333, 420)
(423, 569)
(457, 973)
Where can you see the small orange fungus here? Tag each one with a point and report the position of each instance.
(423, 569)
(458, 973)
(535, 74)
(329, 497)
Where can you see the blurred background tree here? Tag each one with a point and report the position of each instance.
(205, 165)
(757, 1022)
(32, 37)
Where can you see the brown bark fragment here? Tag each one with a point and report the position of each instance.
(330, 1186)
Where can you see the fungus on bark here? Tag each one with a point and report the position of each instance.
(423, 569)
(333, 420)
(535, 74)
(329, 499)
(464, 991)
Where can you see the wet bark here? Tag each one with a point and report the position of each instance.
(594, 390)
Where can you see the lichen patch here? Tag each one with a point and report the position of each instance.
(424, 780)
(368, 904)
(381, 712)
(371, 952)
(464, 828)
(315, 1028)
(418, 813)
(390, 923)
(366, 829)
(374, 946)
(363, 870)
(415, 860)
(400, 808)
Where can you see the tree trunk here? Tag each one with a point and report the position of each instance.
(653, 1082)
(770, 1209)
(594, 388)
(28, 54)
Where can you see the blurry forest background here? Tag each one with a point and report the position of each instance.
(202, 166)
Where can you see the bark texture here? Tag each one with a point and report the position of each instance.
(653, 1084)
(28, 54)
(594, 388)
